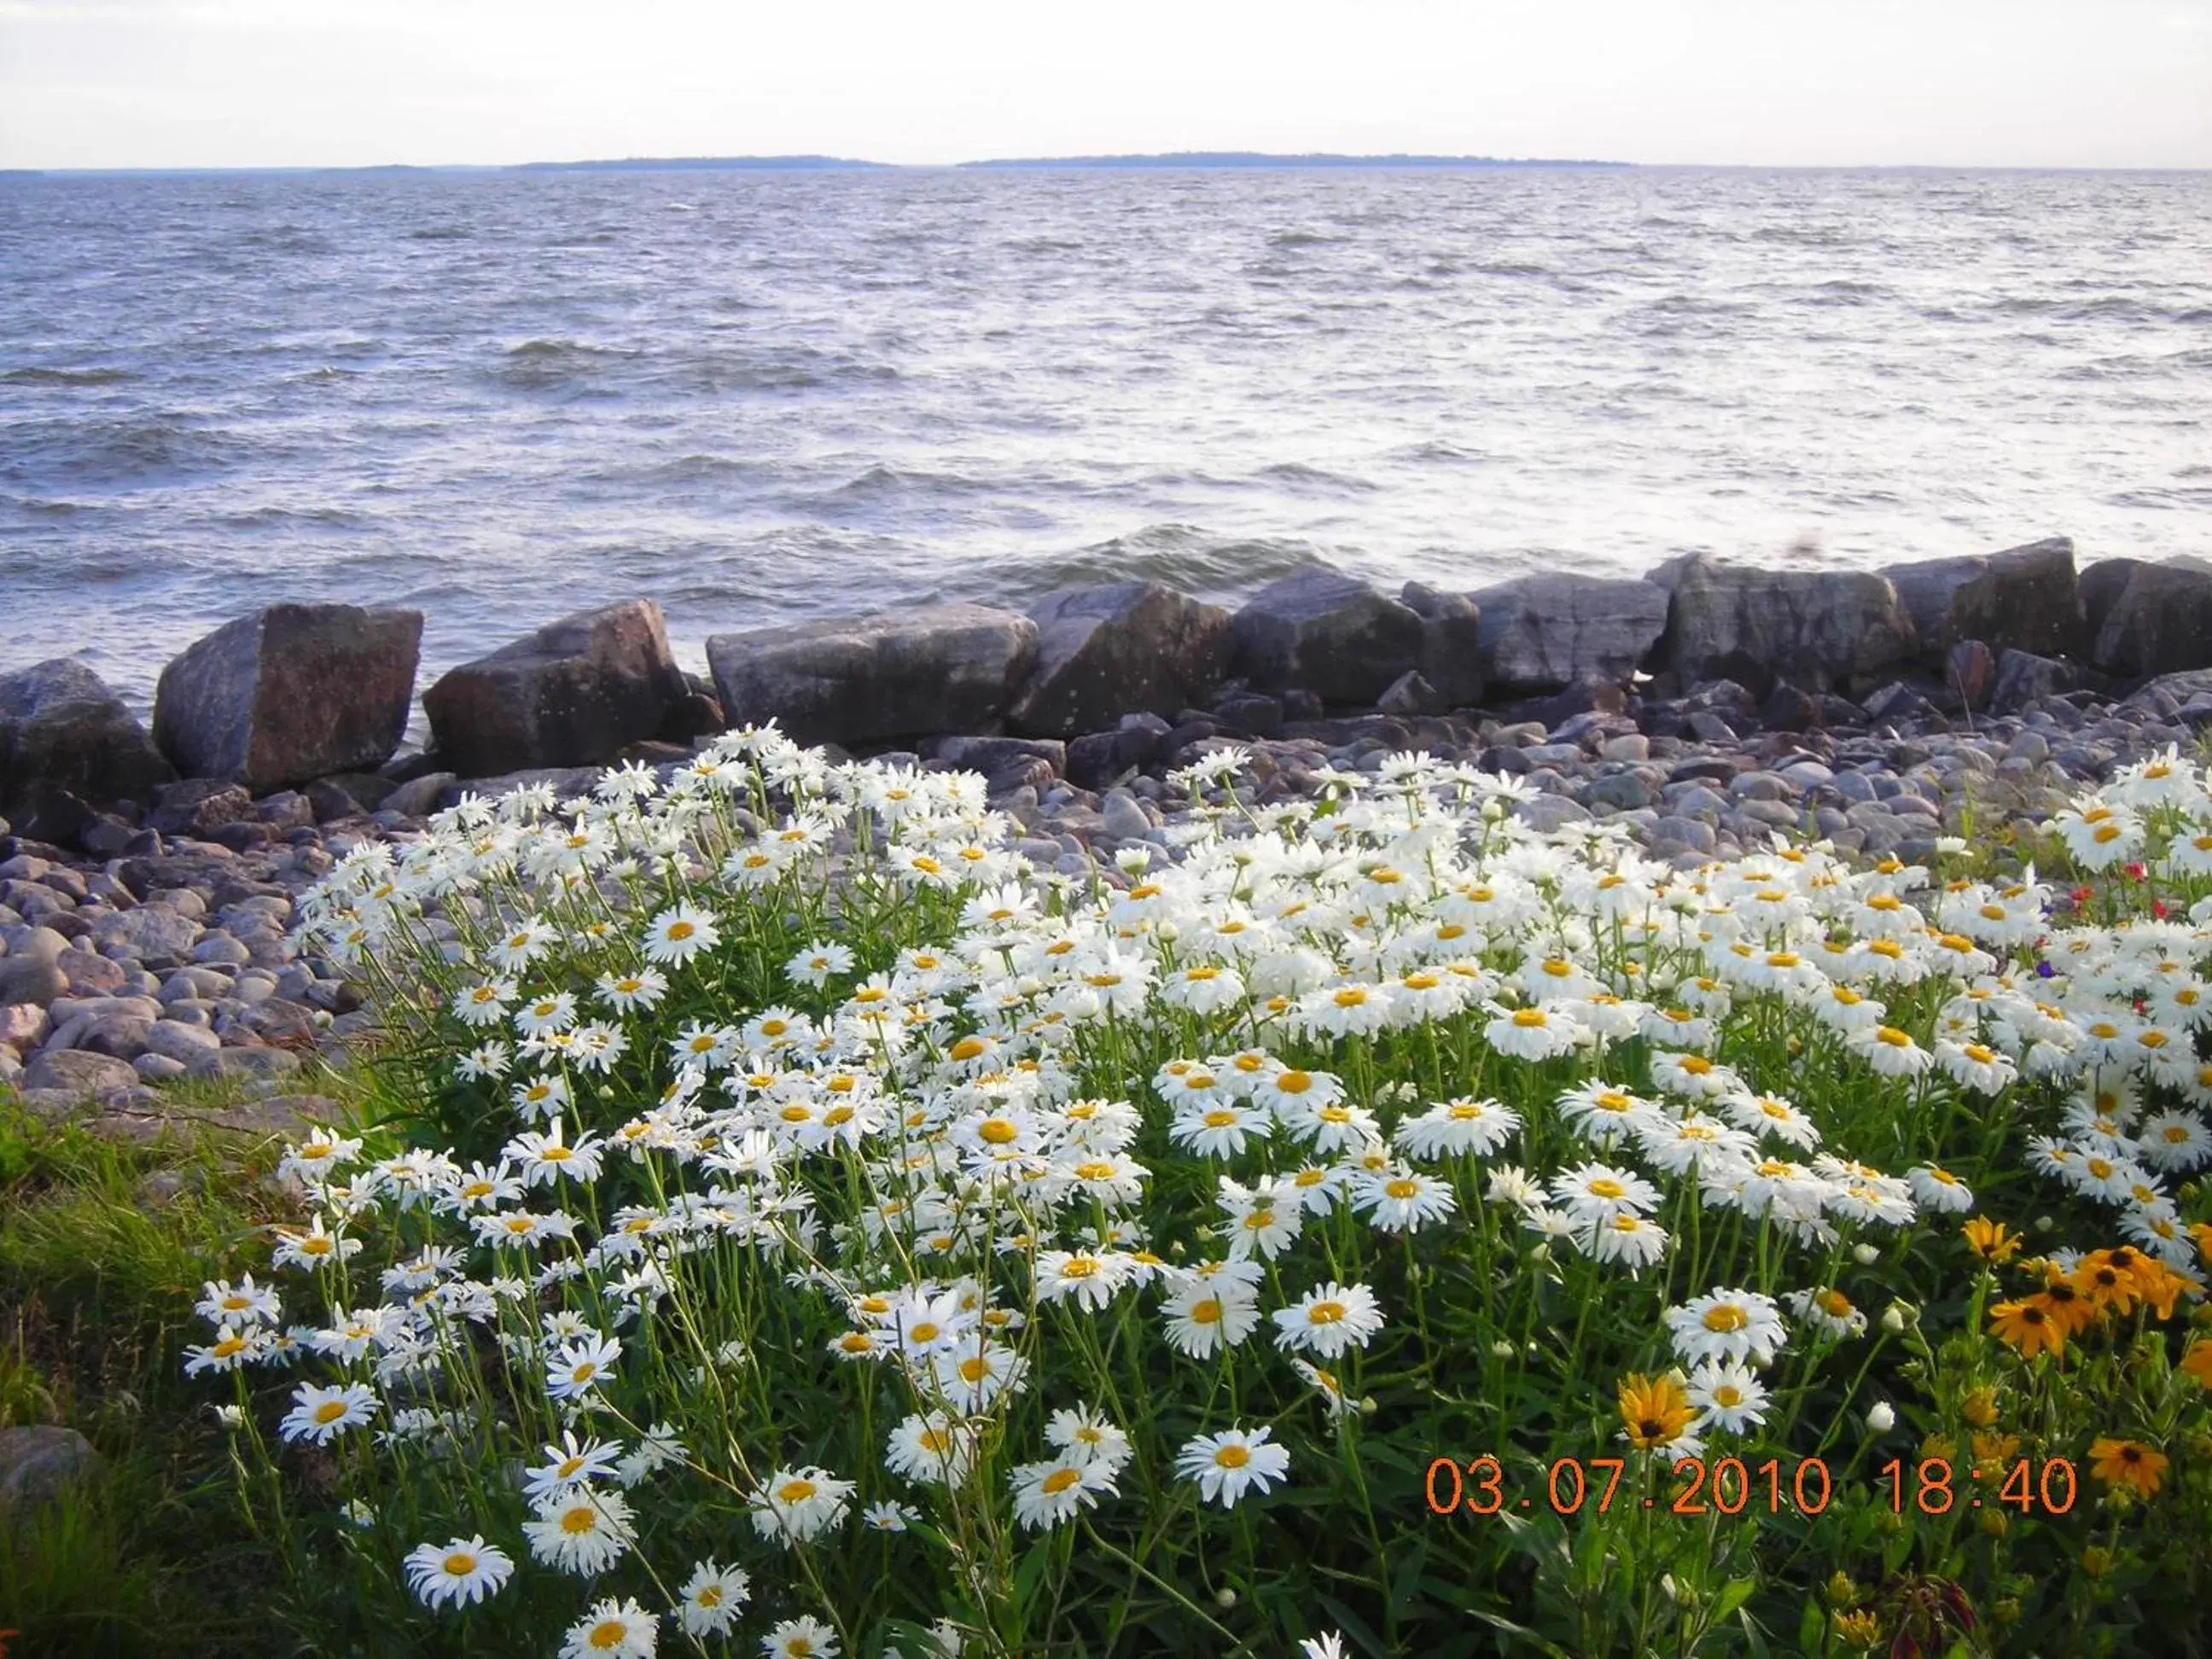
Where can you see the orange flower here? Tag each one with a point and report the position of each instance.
(2198, 1362)
(2109, 1283)
(2028, 1327)
(2073, 1310)
(2127, 1463)
(1655, 1410)
(2162, 1286)
(2203, 1231)
(1981, 1408)
(1989, 1241)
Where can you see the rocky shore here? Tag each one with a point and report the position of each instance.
(147, 879)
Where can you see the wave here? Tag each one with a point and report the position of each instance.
(65, 376)
(440, 233)
(1314, 480)
(1182, 556)
(112, 452)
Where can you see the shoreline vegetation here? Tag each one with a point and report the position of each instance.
(1095, 1101)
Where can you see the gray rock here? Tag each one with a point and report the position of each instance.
(152, 933)
(2160, 622)
(1540, 632)
(33, 979)
(2026, 599)
(61, 728)
(290, 693)
(75, 1073)
(2023, 678)
(867, 679)
(2100, 585)
(217, 949)
(1123, 818)
(1411, 694)
(1451, 642)
(572, 694)
(177, 1041)
(243, 1063)
(157, 1068)
(418, 797)
(1816, 630)
(122, 1035)
(1544, 813)
(1105, 652)
(1623, 791)
(37, 1463)
(1329, 634)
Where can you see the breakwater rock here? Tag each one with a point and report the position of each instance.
(145, 915)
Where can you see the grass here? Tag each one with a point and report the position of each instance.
(104, 1247)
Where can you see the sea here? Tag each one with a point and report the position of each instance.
(757, 397)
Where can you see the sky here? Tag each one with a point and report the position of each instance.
(149, 83)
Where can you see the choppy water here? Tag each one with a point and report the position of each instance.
(502, 396)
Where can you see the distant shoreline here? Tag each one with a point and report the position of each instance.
(1171, 161)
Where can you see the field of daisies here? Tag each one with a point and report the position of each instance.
(1366, 1226)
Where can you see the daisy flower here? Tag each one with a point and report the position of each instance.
(1204, 1318)
(1727, 1396)
(1401, 1200)
(1727, 1326)
(320, 1414)
(577, 1368)
(799, 1638)
(1458, 1129)
(1049, 1493)
(798, 1504)
(613, 1630)
(712, 1598)
(1328, 1319)
(1937, 1188)
(462, 1571)
(679, 933)
(568, 1466)
(1231, 1463)
(583, 1533)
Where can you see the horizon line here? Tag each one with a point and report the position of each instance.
(1211, 161)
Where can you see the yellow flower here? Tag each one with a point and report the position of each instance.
(1981, 1408)
(2127, 1463)
(2198, 1362)
(1655, 1409)
(2028, 1328)
(1859, 1630)
(1989, 1240)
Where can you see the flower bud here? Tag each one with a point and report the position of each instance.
(1225, 1597)
(1882, 1418)
(1865, 1254)
(1992, 1522)
(1367, 1405)
(2096, 1561)
(1133, 860)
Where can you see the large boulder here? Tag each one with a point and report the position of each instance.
(937, 669)
(1451, 643)
(61, 728)
(2100, 585)
(1816, 630)
(2160, 624)
(290, 693)
(2025, 599)
(1545, 631)
(38, 1461)
(572, 694)
(1330, 634)
(1102, 653)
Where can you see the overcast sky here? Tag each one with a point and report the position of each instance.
(294, 82)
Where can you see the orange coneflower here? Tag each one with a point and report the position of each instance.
(2162, 1286)
(2029, 1327)
(2127, 1463)
(2064, 1303)
(2107, 1283)
(2198, 1362)
(1655, 1410)
(1989, 1240)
